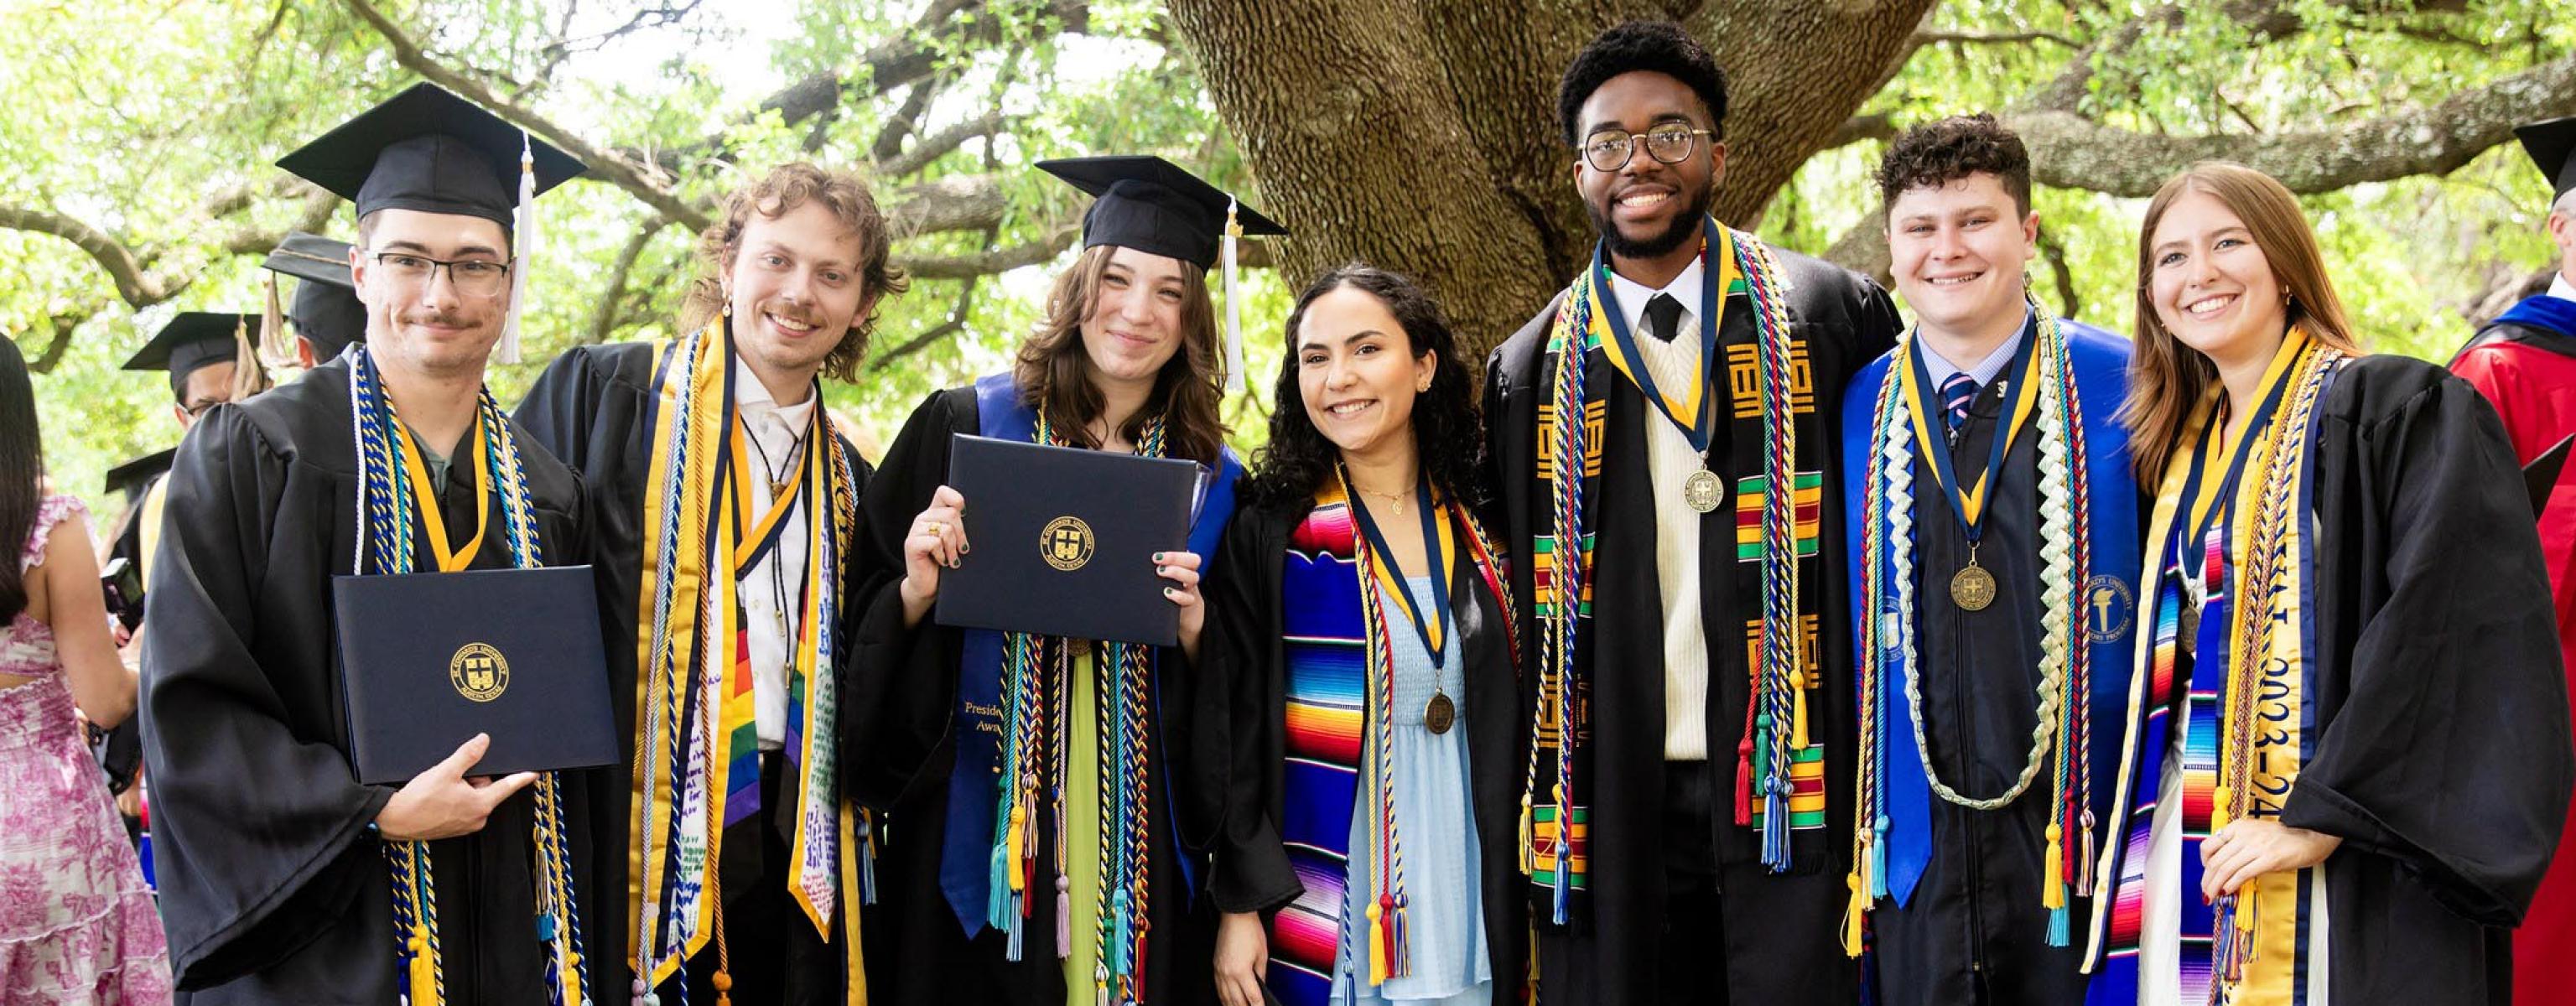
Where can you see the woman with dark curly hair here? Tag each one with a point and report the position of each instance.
(1356, 713)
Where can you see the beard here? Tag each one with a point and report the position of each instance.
(1684, 226)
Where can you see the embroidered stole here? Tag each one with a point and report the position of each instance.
(1340, 682)
(697, 768)
(2228, 666)
(395, 493)
(1776, 510)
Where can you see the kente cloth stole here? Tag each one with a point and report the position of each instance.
(2225, 677)
(697, 768)
(1336, 619)
(1776, 530)
(395, 494)
(1892, 824)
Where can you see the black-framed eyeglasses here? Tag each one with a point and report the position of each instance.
(1610, 149)
(476, 277)
(199, 409)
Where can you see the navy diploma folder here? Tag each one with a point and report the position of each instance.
(1064, 540)
(428, 660)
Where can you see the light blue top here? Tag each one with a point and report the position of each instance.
(1436, 833)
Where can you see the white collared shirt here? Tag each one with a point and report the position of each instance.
(2560, 288)
(772, 590)
(1669, 460)
(1939, 368)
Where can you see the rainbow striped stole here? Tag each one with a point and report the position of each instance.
(697, 760)
(1326, 642)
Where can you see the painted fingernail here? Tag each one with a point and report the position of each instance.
(1158, 557)
(1169, 592)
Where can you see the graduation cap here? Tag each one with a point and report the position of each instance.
(130, 478)
(433, 152)
(326, 310)
(193, 340)
(2552, 146)
(1153, 205)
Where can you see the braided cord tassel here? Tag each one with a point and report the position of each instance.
(2057, 590)
(1868, 879)
(1781, 675)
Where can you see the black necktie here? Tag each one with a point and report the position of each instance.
(1663, 317)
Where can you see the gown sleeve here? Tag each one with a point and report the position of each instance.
(2447, 743)
(559, 408)
(252, 821)
(903, 681)
(1239, 744)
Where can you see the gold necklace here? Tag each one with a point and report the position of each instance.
(1395, 499)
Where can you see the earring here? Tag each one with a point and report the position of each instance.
(1422, 387)
(728, 307)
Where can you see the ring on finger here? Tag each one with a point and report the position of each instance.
(934, 528)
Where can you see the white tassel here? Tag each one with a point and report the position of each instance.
(1233, 306)
(524, 224)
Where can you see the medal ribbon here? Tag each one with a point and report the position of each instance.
(1433, 626)
(2211, 499)
(1718, 274)
(422, 490)
(1967, 500)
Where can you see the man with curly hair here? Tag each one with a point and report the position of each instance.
(1991, 525)
(1665, 437)
(725, 500)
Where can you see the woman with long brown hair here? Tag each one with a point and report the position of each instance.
(1125, 360)
(2347, 753)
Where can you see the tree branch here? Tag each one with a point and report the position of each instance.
(132, 283)
(2070, 151)
(956, 323)
(607, 165)
(1878, 126)
(937, 145)
(1924, 38)
(989, 262)
(603, 320)
(904, 122)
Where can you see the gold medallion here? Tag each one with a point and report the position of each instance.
(1973, 588)
(1702, 491)
(1439, 713)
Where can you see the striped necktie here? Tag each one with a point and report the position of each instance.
(1957, 394)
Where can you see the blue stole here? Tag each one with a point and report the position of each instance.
(965, 856)
(2100, 361)
(2557, 314)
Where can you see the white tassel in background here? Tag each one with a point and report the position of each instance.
(1233, 307)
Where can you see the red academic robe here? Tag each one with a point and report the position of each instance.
(2529, 373)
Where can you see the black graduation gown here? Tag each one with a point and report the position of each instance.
(1782, 931)
(592, 407)
(907, 678)
(1235, 793)
(2441, 752)
(273, 884)
(1975, 915)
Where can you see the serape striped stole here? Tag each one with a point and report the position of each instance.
(2228, 664)
(1326, 642)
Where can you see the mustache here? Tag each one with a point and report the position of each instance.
(442, 319)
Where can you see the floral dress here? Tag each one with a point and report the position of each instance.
(77, 924)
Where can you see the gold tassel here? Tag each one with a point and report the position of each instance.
(1854, 912)
(2052, 890)
(1379, 951)
(1017, 842)
(1797, 714)
(1529, 856)
(424, 971)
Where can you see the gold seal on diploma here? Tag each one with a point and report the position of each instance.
(1066, 543)
(478, 672)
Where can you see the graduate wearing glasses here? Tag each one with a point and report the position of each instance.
(283, 879)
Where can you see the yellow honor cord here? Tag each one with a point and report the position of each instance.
(425, 496)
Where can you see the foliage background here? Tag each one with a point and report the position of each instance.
(151, 126)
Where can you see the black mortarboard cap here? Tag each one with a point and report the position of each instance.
(326, 311)
(130, 478)
(1152, 205)
(193, 339)
(2552, 146)
(428, 150)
